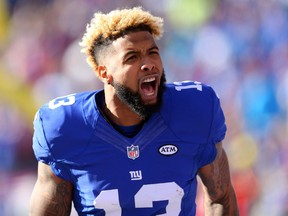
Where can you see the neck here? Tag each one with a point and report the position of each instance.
(121, 116)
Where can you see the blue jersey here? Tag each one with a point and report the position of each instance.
(152, 173)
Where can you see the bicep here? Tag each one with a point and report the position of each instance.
(216, 175)
(51, 195)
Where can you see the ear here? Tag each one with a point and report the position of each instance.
(103, 74)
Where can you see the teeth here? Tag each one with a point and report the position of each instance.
(149, 79)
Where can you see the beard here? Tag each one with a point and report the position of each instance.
(134, 101)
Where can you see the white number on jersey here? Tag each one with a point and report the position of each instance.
(109, 201)
(144, 198)
(62, 101)
(187, 85)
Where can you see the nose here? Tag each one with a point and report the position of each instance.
(147, 67)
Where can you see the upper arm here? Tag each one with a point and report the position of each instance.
(216, 176)
(51, 195)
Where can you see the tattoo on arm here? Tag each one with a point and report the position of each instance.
(216, 183)
(51, 196)
(218, 186)
(61, 204)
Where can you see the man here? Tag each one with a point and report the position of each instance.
(135, 147)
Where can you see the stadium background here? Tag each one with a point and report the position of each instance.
(240, 47)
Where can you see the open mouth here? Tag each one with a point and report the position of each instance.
(149, 87)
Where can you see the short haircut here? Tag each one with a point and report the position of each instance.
(105, 28)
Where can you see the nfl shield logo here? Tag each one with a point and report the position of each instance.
(133, 152)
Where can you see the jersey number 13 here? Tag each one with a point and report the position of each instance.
(144, 198)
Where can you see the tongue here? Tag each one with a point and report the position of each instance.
(147, 88)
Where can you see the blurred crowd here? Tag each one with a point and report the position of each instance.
(240, 47)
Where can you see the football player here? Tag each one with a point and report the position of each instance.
(134, 148)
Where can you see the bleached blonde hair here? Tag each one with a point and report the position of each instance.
(105, 28)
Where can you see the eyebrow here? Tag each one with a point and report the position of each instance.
(130, 52)
(154, 47)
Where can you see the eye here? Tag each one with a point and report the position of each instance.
(131, 57)
(154, 52)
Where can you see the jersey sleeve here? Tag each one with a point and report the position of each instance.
(42, 149)
(217, 131)
(61, 132)
(40, 145)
